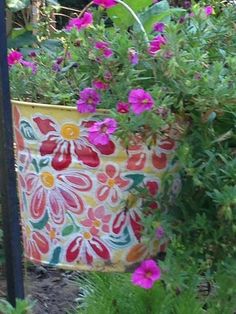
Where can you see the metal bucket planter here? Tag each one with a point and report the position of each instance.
(77, 209)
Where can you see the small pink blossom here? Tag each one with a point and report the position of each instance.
(122, 107)
(160, 232)
(98, 84)
(140, 101)
(105, 3)
(133, 56)
(14, 57)
(104, 48)
(100, 132)
(97, 220)
(88, 101)
(208, 10)
(80, 23)
(29, 64)
(107, 76)
(159, 27)
(156, 44)
(146, 274)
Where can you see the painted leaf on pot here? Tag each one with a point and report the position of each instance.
(56, 256)
(136, 178)
(42, 223)
(120, 241)
(67, 230)
(27, 131)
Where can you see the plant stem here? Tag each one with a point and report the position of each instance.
(85, 9)
(136, 19)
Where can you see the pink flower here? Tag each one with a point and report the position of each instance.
(140, 101)
(160, 232)
(146, 274)
(105, 3)
(97, 220)
(31, 65)
(133, 56)
(80, 23)
(104, 48)
(156, 44)
(112, 185)
(122, 107)
(99, 133)
(98, 84)
(14, 57)
(208, 10)
(159, 27)
(88, 101)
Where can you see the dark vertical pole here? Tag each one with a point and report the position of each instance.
(9, 200)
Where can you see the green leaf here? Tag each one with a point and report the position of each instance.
(136, 178)
(24, 38)
(120, 241)
(56, 256)
(156, 13)
(27, 131)
(42, 223)
(17, 5)
(67, 230)
(122, 17)
(44, 162)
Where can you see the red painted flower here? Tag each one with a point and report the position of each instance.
(139, 155)
(35, 243)
(112, 185)
(58, 192)
(67, 141)
(97, 220)
(85, 247)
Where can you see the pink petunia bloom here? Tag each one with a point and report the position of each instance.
(100, 132)
(67, 141)
(89, 99)
(98, 84)
(122, 107)
(97, 220)
(140, 101)
(105, 3)
(59, 192)
(159, 27)
(133, 56)
(107, 76)
(111, 185)
(80, 23)
(104, 47)
(156, 44)
(146, 274)
(208, 10)
(14, 57)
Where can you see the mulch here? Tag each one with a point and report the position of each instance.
(53, 291)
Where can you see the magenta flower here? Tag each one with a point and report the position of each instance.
(104, 48)
(14, 57)
(105, 3)
(98, 84)
(160, 232)
(122, 107)
(159, 27)
(133, 56)
(146, 274)
(208, 10)
(88, 100)
(140, 101)
(100, 131)
(80, 23)
(156, 44)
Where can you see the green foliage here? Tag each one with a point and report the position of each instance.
(22, 307)
(17, 5)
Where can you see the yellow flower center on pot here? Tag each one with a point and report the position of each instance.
(97, 223)
(70, 131)
(47, 179)
(52, 234)
(27, 231)
(87, 235)
(111, 182)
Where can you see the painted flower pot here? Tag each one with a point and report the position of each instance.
(77, 206)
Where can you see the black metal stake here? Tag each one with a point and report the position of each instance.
(9, 200)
